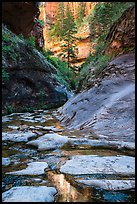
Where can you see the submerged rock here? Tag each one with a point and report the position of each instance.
(113, 185)
(34, 168)
(29, 194)
(87, 164)
(49, 141)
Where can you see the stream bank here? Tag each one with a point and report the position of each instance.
(78, 166)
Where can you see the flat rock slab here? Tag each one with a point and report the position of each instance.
(17, 136)
(34, 168)
(113, 185)
(5, 161)
(49, 141)
(87, 164)
(29, 194)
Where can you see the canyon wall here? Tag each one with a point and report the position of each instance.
(48, 12)
(121, 38)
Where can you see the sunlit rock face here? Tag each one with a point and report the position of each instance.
(48, 12)
(121, 38)
(19, 16)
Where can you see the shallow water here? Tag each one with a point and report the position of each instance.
(69, 190)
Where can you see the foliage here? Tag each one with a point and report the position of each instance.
(57, 28)
(9, 109)
(41, 22)
(30, 41)
(101, 19)
(63, 75)
(5, 76)
(80, 14)
(8, 44)
(68, 44)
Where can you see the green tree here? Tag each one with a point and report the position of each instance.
(68, 44)
(80, 13)
(57, 29)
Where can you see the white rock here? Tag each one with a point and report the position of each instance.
(17, 136)
(88, 164)
(29, 194)
(13, 127)
(49, 141)
(5, 161)
(34, 168)
(110, 184)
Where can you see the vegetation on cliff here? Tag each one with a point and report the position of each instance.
(104, 15)
(29, 79)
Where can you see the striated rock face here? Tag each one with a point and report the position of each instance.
(19, 16)
(109, 108)
(50, 9)
(121, 38)
(31, 81)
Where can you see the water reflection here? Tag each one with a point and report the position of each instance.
(67, 192)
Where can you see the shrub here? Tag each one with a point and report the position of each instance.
(5, 76)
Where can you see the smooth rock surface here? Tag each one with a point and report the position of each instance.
(29, 194)
(49, 141)
(5, 161)
(108, 109)
(113, 185)
(34, 168)
(17, 136)
(87, 164)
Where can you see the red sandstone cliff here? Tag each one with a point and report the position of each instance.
(48, 12)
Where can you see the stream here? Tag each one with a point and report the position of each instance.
(18, 151)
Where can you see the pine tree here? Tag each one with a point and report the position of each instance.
(80, 13)
(57, 29)
(68, 44)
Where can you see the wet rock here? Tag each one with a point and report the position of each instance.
(29, 194)
(13, 127)
(17, 136)
(5, 161)
(34, 168)
(49, 141)
(6, 119)
(113, 185)
(87, 164)
(52, 128)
